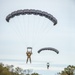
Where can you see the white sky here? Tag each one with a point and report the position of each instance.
(61, 36)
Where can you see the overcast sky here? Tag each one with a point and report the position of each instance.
(22, 32)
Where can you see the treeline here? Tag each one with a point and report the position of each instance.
(69, 70)
(11, 70)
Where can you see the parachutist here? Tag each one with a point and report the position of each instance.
(47, 65)
(29, 53)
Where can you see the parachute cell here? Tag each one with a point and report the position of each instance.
(31, 11)
(48, 48)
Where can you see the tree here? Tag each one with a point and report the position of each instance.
(68, 70)
(18, 70)
(10, 70)
(34, 74)
(1, 67)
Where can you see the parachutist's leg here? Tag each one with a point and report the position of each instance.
(27, 60)
(30, 60)
(47, 67)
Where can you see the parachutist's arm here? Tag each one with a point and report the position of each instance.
(31, 51)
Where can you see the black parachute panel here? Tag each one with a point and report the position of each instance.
(31, 11)
(48, 48)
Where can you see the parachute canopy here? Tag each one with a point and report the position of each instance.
(48, 48)
(29, 47)
(31, 11)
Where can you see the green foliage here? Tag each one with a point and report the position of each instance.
(4, 70)
(34, 74)
(10, 70)
(68, 70)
